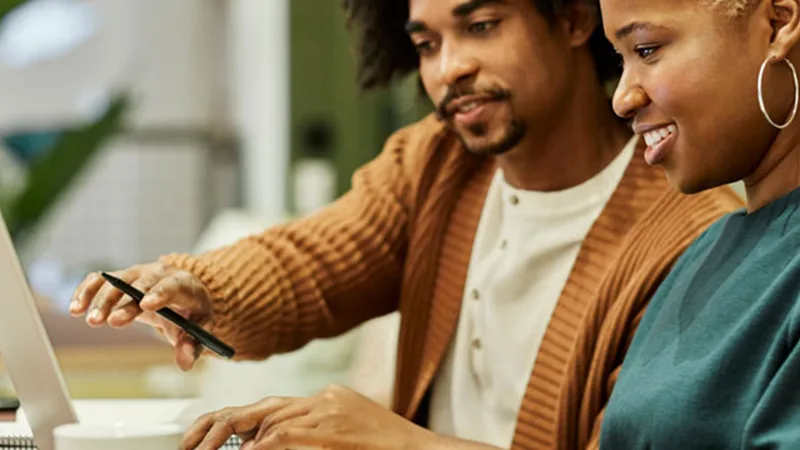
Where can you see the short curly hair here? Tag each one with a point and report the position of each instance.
(385, 52)
(733, 8)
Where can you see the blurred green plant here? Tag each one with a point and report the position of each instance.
(50, 176)
(7, 5)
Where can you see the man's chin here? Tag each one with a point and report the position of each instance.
(487, 149)
(489, 144)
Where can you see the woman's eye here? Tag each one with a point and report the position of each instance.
(483, 26)
(646, 51)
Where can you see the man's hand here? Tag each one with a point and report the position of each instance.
(336, 418)
(164, 286)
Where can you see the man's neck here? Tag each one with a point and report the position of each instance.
(570, 150)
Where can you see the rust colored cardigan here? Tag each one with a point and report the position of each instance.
(402, 238)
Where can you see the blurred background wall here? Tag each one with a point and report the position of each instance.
(134, 128)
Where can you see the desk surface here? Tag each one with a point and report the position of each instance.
(136, 410)
(180, 411)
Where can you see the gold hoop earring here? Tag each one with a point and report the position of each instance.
(761, 93)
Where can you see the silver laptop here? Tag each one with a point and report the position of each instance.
(27, 353)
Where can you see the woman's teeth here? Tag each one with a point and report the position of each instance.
(653, 137)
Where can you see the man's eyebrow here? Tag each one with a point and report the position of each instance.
(623, 32)
(471, 6)
(415, 26)
(460, 11)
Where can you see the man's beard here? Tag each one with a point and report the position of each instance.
(511, 137)
(512, 134)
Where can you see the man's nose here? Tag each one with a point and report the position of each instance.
(455, 66)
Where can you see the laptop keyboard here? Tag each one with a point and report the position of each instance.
(233, 443)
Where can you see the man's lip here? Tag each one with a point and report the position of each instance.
(472, 116)
(455, 105)
(641, 128)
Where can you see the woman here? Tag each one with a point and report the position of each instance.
(711, 86)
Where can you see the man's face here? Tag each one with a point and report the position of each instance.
(493, 68)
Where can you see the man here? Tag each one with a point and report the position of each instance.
(518, 231)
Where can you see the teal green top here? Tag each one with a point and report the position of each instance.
(715, 363)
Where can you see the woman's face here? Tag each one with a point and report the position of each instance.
(690, 86)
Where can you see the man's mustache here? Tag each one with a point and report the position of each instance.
(454, 93)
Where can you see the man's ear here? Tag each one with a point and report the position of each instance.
(580, 20)
(785, 19)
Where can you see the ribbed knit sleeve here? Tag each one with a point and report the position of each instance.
(316, 277)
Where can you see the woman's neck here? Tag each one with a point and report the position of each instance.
(778, 173)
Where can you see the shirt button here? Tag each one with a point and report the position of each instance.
(476, 295)
(514, 200)
(476, 344)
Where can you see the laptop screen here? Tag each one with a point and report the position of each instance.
(27, 352)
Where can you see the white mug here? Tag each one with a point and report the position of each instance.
(117, 436)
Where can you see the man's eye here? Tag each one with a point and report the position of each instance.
(423, 46)
(646, 51)
(482, 26)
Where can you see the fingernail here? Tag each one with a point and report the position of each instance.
(95, 315)
(74, 305)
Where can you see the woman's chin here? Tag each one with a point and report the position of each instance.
(693, 185)
(685, 184)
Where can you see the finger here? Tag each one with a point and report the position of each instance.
(294, 436)
(107, 298)
(161, 295)
(152, 319)
(84, 293)
(178, 291)
(196, 432)
(217, 435)
(172, 292)
(274, 433)
(187, 351)
(171, 331)
(125, 313)
(215, 428)
(300, 409)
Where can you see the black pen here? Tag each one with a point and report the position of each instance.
(202, 336)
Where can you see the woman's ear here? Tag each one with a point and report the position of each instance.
(785, 18)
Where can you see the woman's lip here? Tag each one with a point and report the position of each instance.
(642, 128)
(655, 154)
